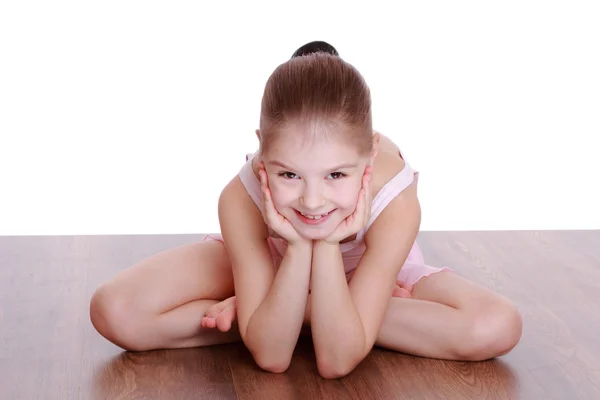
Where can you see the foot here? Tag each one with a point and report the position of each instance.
(220, 315)
(402, 290)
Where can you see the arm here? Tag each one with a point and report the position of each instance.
(346, 318)
(271, 305)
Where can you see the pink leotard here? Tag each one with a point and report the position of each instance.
(414, 267)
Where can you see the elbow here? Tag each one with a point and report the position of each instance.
(334, 367)
(334, 370)
(267, 357)
(271, 363)
(334, 362)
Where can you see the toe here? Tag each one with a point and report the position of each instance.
(208, 322)
(401, 292)
(226, 318)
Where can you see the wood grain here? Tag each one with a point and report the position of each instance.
(49, 349)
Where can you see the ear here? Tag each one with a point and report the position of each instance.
(257, 134)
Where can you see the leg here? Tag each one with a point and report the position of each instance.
(159, 303)
(449, 317)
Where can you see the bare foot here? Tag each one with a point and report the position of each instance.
(220, 315)
(402, 290)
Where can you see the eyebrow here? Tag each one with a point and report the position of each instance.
(341, 166)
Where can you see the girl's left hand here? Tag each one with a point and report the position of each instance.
(360, 217)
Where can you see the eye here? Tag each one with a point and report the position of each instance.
(337, 175)
(288, 175)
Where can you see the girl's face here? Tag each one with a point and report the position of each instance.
(314, 186)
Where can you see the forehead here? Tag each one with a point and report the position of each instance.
(312, 151)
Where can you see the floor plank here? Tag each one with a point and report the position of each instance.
(49, 350)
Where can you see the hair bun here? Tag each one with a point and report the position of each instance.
(315, 47)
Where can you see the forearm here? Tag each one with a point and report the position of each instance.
(274, 328)
(338, 333)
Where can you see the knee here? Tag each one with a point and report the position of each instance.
(491, 332)
(111, 315)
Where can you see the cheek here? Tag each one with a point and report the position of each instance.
(282, 195)
(347, 196)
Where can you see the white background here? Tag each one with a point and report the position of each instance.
(128, 117)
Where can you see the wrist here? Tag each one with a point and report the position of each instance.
(300, 246)
(325, 254)
(324, 245)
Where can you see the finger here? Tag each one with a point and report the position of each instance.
(368, 178)
(271, 213)
(268, 204)
(264, 186)
(368, 174)
(360, 212)
(262, 173)
(368, 198)
(362, 202)
(266, 194)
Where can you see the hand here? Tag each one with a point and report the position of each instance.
(360, 217)
(272, 217)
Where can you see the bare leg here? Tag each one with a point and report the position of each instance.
(443, 316)
(449, 317)
(160, 302)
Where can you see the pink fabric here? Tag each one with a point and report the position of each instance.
(414, 267)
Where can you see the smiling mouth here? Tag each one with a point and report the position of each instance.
(314, 216)
(317, 216)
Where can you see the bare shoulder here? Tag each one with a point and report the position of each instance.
(388, 163)
(394, 231)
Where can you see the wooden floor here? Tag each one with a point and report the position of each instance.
(49, 349)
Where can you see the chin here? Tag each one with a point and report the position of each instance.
(320, 235)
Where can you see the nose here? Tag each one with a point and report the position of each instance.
(312, 199)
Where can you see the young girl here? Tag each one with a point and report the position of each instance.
(318, 229)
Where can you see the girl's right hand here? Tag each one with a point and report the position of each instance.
(272, 217)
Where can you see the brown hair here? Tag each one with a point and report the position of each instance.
(318, 88)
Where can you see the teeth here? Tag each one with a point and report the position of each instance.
(314, 216)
